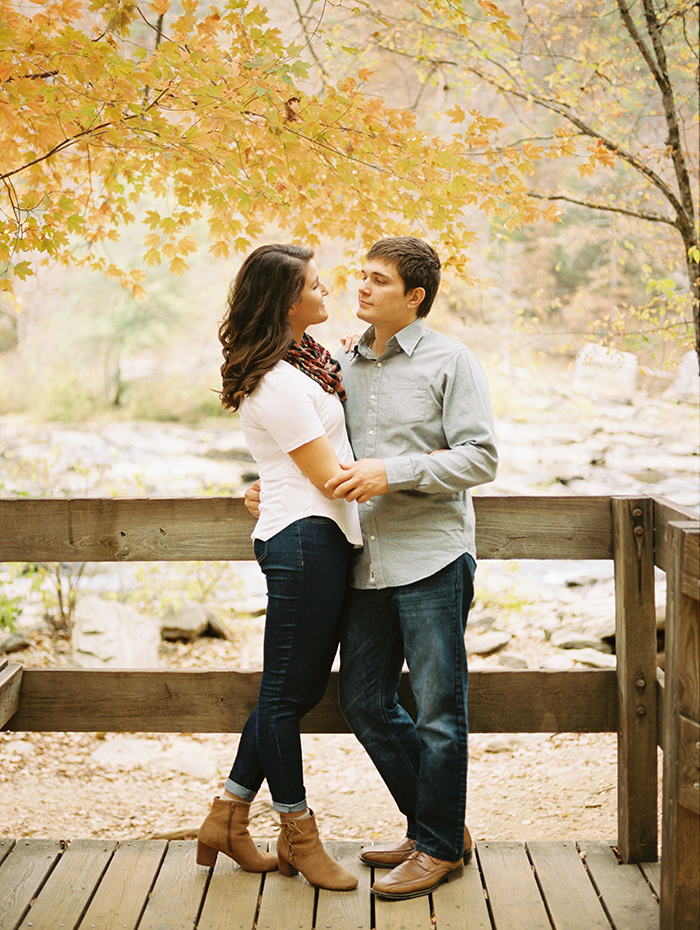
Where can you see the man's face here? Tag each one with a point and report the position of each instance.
(382, 301)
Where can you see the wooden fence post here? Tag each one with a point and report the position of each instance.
(635, 645)
(680, 857)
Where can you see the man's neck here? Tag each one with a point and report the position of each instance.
(382, 337)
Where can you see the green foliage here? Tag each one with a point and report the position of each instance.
(10, 609)
(163, 585)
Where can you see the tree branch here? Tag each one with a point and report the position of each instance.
(86, 133)
(565, 112)
(593, 205)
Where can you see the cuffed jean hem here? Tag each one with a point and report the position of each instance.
(245, 794)
(297, 808)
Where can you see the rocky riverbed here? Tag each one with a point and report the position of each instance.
(557, 440)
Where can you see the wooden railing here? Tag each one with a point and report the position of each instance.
(636, 533)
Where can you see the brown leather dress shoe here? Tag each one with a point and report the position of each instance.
(389, 855)
(419, 874)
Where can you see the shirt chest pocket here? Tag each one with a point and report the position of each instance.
(407, 404)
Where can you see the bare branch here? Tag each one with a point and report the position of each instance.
(594, 205)
(566, 113)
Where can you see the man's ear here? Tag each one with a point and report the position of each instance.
(416, 297)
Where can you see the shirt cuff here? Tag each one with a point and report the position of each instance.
(400, 472)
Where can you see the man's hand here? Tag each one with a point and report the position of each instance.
(359, 481)
(252, 499)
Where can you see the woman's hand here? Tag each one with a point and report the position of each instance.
(350, 340)
(252, 499)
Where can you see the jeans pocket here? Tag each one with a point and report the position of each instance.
(260, 549)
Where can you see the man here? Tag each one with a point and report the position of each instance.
(419, 420)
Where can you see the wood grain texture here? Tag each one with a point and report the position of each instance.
(635, 646)
(623, 888)
(177, 895)
(514, 896)
(571, 899)
(218, 528)
(70, 886)
(232, 896)
(138, 530)
(123, 891)
(22, 874)
(680, 866)
(198, 701)
(45, 885)
(10, 687)
(349, 909)
(665, 513)
(461, 904)
(286, 903)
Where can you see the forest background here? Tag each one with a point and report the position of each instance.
(550, 151)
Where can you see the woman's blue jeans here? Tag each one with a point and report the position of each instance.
(306, 570)
(424, 764)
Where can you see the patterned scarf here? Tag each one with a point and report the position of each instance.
(316, 362)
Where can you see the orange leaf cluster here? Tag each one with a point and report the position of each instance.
(211, 124)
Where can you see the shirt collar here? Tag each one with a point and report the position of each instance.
(407, 338)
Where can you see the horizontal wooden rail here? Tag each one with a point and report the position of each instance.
(218, 528)
(195, 701)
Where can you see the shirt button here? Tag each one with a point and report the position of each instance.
(373, 396)
(379, 364)
(371, 432)
(373, 537)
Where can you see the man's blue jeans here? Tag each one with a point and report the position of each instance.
(424, 764)
(306, 570)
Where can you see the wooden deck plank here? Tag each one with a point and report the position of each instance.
(624, 891)
(652, 873)
(22, 872)
(513, 894)
(177, 895)
(412, 914)
(349, 910)
(287, 903)
(185, 895)
(68, 889)
(566, 888)
(232, 896)
(121, 897)
(461, 904)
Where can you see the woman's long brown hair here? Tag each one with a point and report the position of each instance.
(255, 333)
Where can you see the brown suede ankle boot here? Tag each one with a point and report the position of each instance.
(225, 830)
(299, 849)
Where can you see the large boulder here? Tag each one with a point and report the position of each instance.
(605, 373)
(107, 634)
(686, 386)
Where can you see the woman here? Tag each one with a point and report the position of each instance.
(288, 392)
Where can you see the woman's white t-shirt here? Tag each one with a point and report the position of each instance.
(286, 410)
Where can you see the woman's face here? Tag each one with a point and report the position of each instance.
(309, 309)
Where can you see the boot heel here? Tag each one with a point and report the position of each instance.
(286, 868)
(206, 855)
